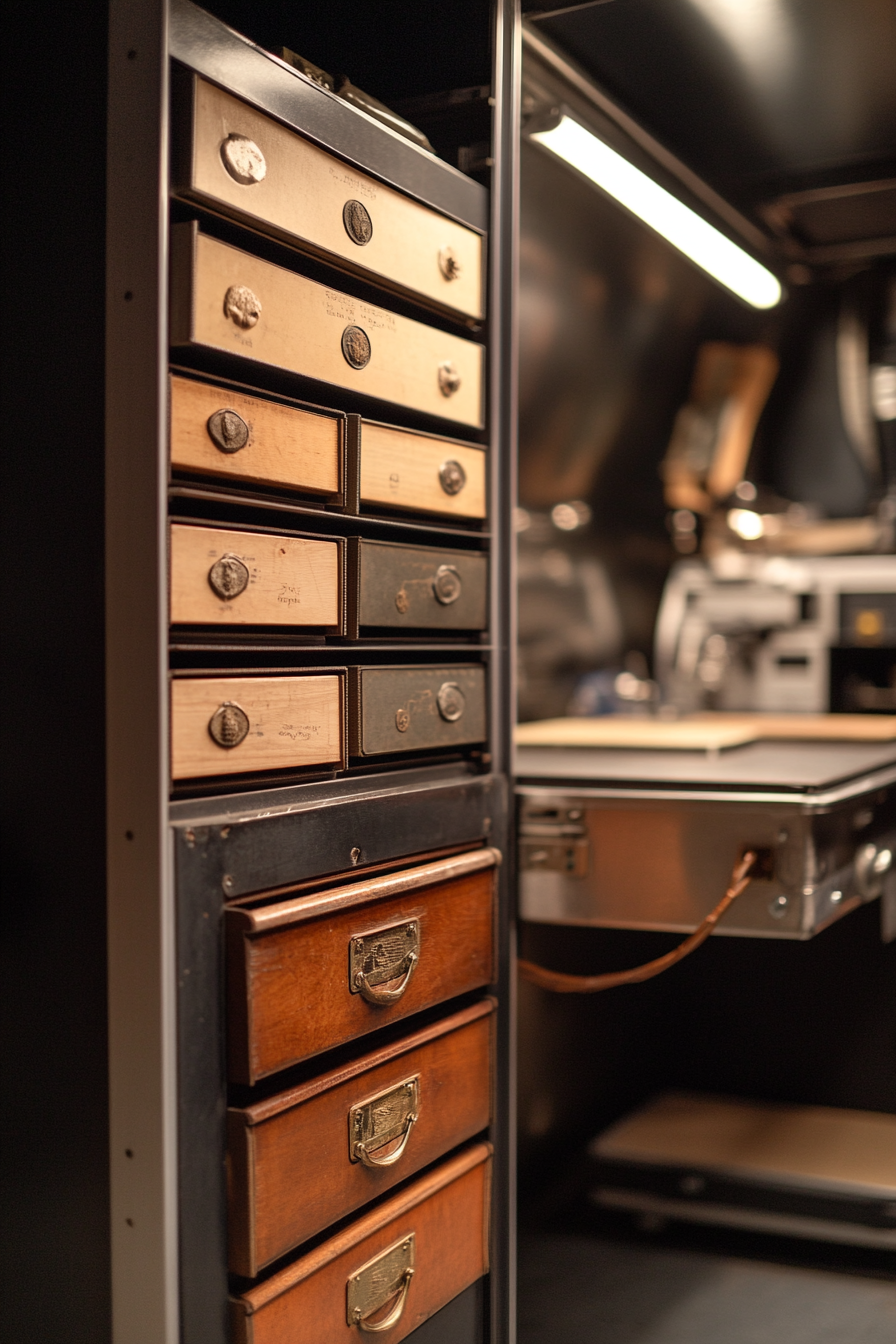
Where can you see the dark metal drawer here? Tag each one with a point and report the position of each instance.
(416, 587)
(415, 708)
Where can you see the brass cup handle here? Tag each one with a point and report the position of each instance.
(372, 995)
(394, 1315)
(368, 1160)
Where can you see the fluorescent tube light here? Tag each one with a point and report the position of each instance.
(704, 245)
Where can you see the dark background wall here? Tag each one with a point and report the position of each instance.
(55, 1255)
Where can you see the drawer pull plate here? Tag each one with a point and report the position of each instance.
(228, 577)
(446, 585)
(356, 347)
(382, 956)
(375, 1284)
(451, 701)
(228, 431)
(243, 160)
(357, 221)
(242, 306)
(379, 1121)
(229, 724)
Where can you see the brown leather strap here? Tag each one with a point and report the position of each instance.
(560, 983)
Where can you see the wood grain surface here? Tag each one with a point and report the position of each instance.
(401, 470)
(293, 721)
(286, 446)
(446, 1210)
(291, 1173)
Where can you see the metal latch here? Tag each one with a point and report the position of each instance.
(560, 855)
(381, 1119)
(386, 1276)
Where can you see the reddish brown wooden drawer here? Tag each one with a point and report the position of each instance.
(308, 974)
(306, 1158)
(437, 1228)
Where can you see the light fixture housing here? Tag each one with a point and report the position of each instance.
(700, 241)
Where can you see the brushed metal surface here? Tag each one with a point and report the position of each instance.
(404, 587)
(397, 708)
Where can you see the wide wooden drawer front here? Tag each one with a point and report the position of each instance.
(252, 578)
(437, 1228)
(417, 587)
(425, 475)
(225, 725)
(226, 299)
(308, 974)
(218, 431)
(415, 708)
(253, 167)
(308, 1157)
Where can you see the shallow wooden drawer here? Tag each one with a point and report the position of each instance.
(306, 1158)
(415, 708)
(223, 577)
(416, 587)
(421, 473)
(218, 431)
(404, 1260)
(308, 974)
(226, 725)
(226, 299)
(252, 167)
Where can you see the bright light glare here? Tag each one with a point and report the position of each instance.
(674, 221)
(747, 524)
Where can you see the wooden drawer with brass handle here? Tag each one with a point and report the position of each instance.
(420, 473)
(415, 708)
(224, 577)
(220, 431)
(398, 587)
(244, 163)
(225, 299)
(313, 972)
(387, 1272)
(304, 1159)
(228, 725)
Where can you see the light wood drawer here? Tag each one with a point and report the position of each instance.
(415, 708)
(403, 470)
(227, 725)
(437, 1227)
(287, 186)
(226, 299)
(294, 1162)
(219, 431)
(222, 577)
(415, 939)
(416, 587)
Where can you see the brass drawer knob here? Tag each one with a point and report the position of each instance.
(243, 160)
(451, 701)
(449, 378)
(356, 347)
(229, 724)
(449, 264)
(452, 477)
(241, 306)
(228, 577)
(382, 1120)
(228, 431)
(402, 720)
(380, 958)
(357, 221)
(446, 585)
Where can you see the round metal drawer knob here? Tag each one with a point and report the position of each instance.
(356, 347)
(446, 585)
(229, 724)
(449, 378)
(243, 160)
(241, 306)
(228, 431)
(452, 477)
(402, 720)
(451, 701)
(228, 577)
(357, 221)
(449, 264)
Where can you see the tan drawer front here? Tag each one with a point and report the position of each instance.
(250, 578)
(286, 184)
(303, 1160)
(437, 1229)
(416, 587)
(412, 471)
(415, 708)
(308, 974)
(220, 432)
(229, 300)
(222, 726)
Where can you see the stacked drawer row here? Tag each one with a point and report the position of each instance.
(329, 612)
